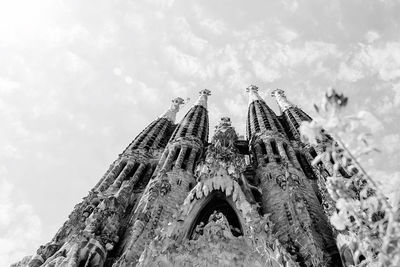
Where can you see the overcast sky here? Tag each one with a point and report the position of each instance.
(80, 79)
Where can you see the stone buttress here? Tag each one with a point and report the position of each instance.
(96, 225)
(171, 182)
(287, 192)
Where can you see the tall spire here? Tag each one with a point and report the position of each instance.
(253, 94)
(281, 99)
(260, 117)
(170, 113)
(202, 101)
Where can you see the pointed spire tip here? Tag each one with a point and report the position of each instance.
(281, 99)
(253, 94)
(277, 92)
(252, 88)
(171, 112)
(202, 101)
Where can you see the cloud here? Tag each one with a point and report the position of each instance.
(372, 36)
(266, 74)
(187, 37)
(272, 61)
(162, 3)
(287, 35)
(370, 121)
(20, 227)
(183, 63)
(213, 25)
(349, 74)
(291, 5)
(391, 143)
(7, 85)
(117, 71)
(380, 59)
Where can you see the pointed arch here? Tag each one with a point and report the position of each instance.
(216, 202)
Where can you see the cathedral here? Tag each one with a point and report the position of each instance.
(175, 198)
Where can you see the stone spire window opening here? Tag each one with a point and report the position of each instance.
(132, 171)
(175, 157)
(147, 171)
(154, 135)
(255, 120)
(196, 124)
(302, 115)
(186, 158)
(305, 166)
(137, 142)
(161, 143)
(258, 198)
(204, 134)
(293, 119)
(286, 127)
(184, 130)
(275, 151)
(188, 117)
(264, 152)
(288, 154)
(278, 125)
(119, 168)
(265, 119)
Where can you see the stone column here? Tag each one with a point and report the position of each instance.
(123, 175)
(201, 126)
(269, 118)
(251, 122)
(192, 122)
(114, 173)
(181, 156)
(282, 153)
(138, 174)
(170, 158)
(160, 135)
(270, 154)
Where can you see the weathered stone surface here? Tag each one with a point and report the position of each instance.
(185, 202)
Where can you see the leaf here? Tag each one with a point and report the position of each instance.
(317, 159)
(338, 221)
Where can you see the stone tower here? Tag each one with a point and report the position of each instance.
(174, 199)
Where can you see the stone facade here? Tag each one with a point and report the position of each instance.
(173, 199)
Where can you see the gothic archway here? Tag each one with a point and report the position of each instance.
(216, 205)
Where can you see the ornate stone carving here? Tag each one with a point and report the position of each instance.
(202, 101)
(170, 114)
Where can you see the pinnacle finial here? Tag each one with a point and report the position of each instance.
(224, 133)
(281, 99)
(253, 93)
(202, 101)
(252, 88)
(170, 114)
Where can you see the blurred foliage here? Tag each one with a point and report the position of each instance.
(363, 213)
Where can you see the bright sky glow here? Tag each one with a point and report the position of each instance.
(80, 79)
